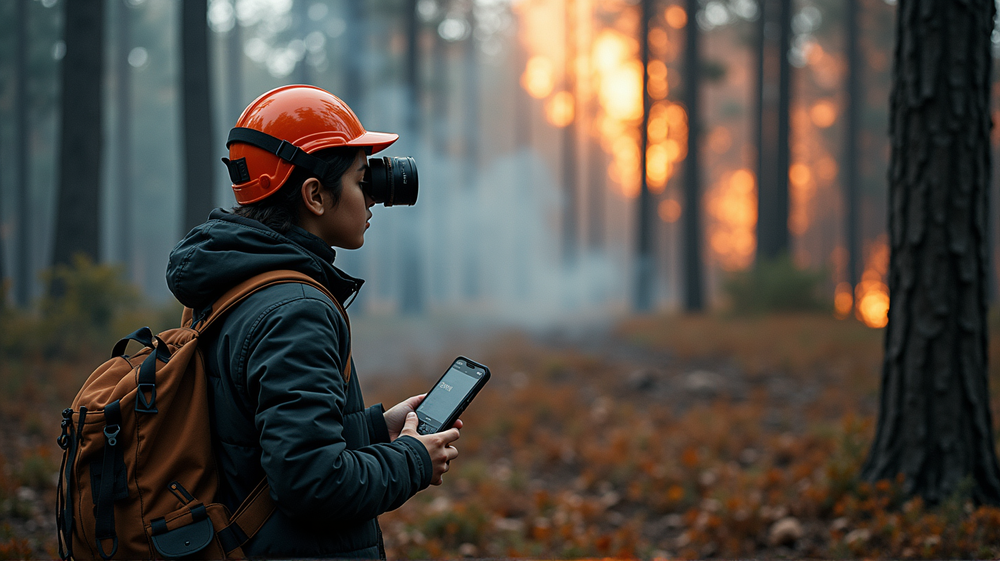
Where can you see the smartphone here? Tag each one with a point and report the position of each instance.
(451, 395)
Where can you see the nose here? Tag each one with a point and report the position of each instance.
(369, 202)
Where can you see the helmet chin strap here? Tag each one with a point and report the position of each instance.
(281, 148)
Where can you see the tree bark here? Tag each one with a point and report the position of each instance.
(199, 160)
(78, 207)
(934, 424)
(644, 236)
(693, 295)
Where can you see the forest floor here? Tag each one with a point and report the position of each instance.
(665, 436)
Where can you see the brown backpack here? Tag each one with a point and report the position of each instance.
(138, 473)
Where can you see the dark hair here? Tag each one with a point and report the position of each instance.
(280, 210)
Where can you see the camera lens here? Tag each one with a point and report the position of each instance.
(392, 181)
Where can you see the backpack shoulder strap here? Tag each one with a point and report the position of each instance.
(240, 292)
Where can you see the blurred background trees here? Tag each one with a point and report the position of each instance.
(562, 169)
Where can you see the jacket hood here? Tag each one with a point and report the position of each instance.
(228, 249)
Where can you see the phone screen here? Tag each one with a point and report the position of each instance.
(450, 392)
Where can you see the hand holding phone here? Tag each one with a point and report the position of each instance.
(451, 395)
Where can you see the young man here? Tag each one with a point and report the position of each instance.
(282, 408)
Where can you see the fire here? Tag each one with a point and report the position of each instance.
(669, 211)
(733, 205)
(843, 300)
(559, 109)
(823, 114)
(872, 294)
(538, 78)
(676, 17)
(608, 71)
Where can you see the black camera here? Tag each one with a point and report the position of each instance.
(391, 181)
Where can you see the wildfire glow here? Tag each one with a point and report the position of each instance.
(676, 17)
(559, 109)
(733, 205)
(843, 300)
(823, 114)
(669, 210)
(538, 78)
(872, 294)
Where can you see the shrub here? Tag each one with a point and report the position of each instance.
(775, 286)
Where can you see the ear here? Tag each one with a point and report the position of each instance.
(314, 196)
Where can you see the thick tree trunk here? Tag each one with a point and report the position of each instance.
(199, 153)
(234, 73)
(23, 266)
(934, 424)
(851, 131)
(644, 236)
(78, 207)
(693, 296)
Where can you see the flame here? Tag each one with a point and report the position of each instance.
(823, 114)
(559, 109)
(733, 205)
(669, 210)
(843, 300)
(538, 78)
(676, 17)
(872, 294)
(608, 71)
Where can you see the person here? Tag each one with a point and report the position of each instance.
(281, 406)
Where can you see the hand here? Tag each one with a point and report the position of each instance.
(396, 415)
(438, 446)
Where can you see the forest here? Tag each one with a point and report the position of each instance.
(672, 229)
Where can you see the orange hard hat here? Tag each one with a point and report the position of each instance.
(280, 130)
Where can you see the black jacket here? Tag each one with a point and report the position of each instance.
(280, 405)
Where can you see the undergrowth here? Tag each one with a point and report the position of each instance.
(711, 437)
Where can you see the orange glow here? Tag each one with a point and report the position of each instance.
(826, 169)
(658, 40)
(559, 109)
(720, 140)
(733, 204)
(823, 114)
(538, 78)
(657, 85)
(799, 175)
(843, 300)
(872, 294)
(621, 91)
(676, 17)
(669, 211)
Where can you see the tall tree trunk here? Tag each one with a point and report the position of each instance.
(851, 131)
(412, 291)
(934, 424)
(123, 152)
(197, 136)
(772, 184)
(78, 207)
(569, 245)
(644, 236)
(693, 296)
(23, 265)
